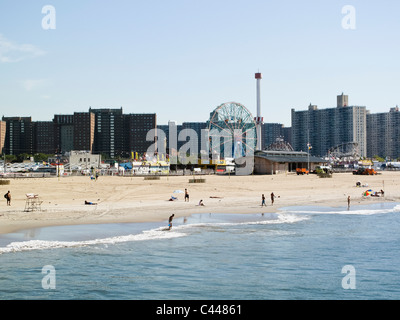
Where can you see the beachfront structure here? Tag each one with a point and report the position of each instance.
(384, 134)
(276, 162)
(272, 162)
(83, 159)
(321, 129)
(77, 159)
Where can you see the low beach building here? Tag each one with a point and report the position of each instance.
(276, 162)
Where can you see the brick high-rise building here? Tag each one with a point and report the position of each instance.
(84, 123)
(19, 135)
(136, 128)
(109, 132)
(63, 132)
(44, 137)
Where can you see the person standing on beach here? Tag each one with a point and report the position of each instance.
(263, 200)
(186, 195)
(8, 197)
(170, 221)
(272, 199)
(348, 202)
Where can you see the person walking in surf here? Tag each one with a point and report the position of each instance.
(170, 221)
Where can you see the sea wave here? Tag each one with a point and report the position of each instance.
(346, 211)
(179, 230)
(268, 218)
(280, 218)
(159, 233)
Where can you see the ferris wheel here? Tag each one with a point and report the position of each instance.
(232, 131)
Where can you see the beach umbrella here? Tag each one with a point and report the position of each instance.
(368, 192)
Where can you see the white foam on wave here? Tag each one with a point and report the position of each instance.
(262, 220)
(152, 234)
(45, 245)
(280, 219)
(364, 212)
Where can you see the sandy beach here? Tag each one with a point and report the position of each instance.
(133, 199)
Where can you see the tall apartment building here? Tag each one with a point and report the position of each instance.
(192, 136)
(137, 126)
(104, 131)
(327, 128)
(2, 135)
(44, 137)
(84, 123)
(272, 131)
(384, 134)
(109, 132)
(101, 131)
(174, 127)
(19, 135)
(197, 128)
(63, 133)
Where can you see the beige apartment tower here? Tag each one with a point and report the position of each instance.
(342, 101)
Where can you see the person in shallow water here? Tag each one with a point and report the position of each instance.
(170, 221)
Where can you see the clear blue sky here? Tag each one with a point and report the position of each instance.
(182, 58)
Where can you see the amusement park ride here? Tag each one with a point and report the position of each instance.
(232, 131)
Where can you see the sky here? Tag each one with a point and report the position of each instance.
(181, 59)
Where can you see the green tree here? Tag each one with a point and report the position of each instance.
(378, 158)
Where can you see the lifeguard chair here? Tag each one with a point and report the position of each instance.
(33, 203)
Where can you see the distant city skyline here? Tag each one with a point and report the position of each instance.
(181, 59)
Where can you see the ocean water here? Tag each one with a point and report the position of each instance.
(295, 253)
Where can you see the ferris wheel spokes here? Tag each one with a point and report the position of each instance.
(238, 130)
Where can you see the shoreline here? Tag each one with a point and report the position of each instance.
(133, 199)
